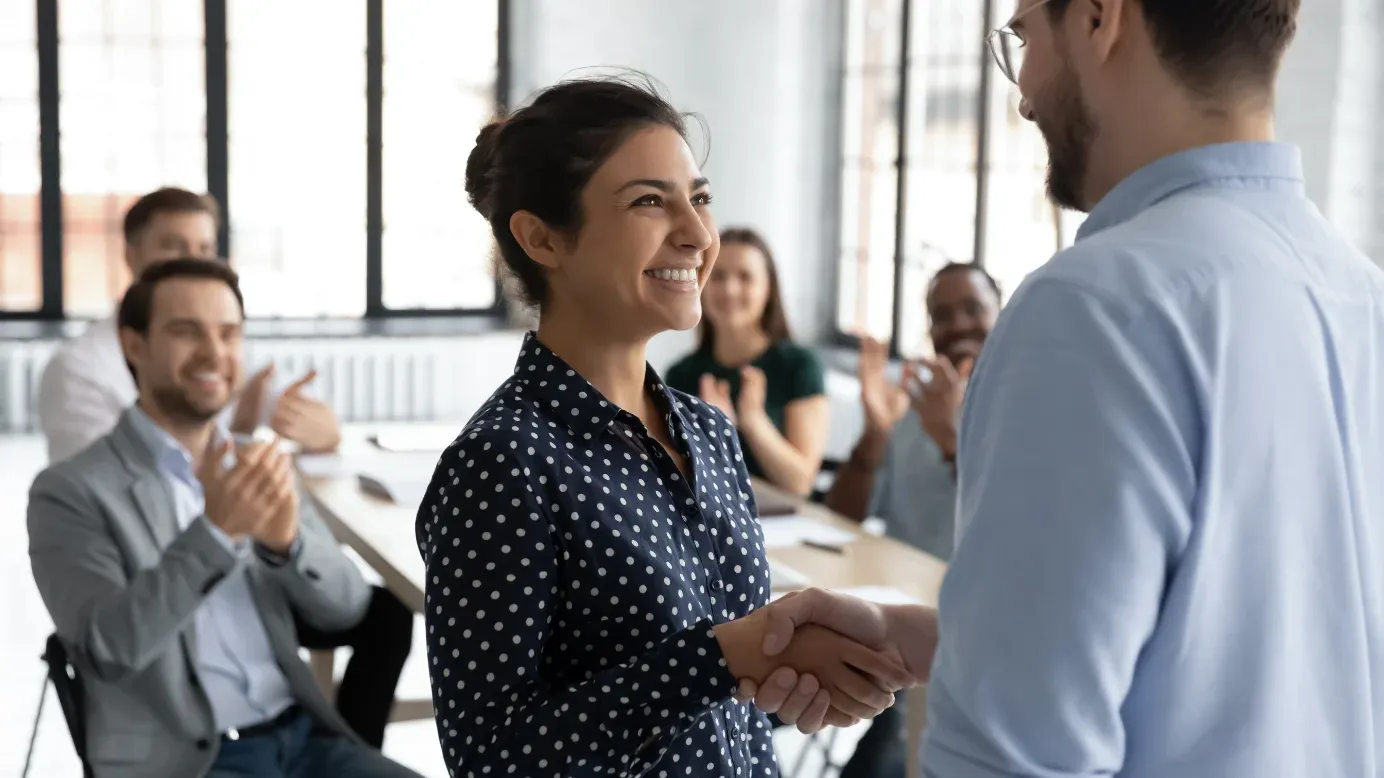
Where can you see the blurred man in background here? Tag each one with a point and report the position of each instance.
(86, 387)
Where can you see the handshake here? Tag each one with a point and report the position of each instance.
(817, 658)
(256, 498)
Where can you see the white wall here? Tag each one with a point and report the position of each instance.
(765, 76)
(1329, 103)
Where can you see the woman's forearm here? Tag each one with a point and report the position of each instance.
(783, 464)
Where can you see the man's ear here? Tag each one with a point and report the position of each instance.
(1104, 21)
(541, 242)
(134, 346)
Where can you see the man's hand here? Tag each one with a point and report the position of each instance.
(884, 402)
(280, 526)
(240, 499)
(911, 630)
(938, 400)
(856, 682)
(717, 393)
(249, 407)
(308, 422)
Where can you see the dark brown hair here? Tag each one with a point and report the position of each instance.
(167, 200)
(541, 157)
(773, 321)
(137, 306)
(1217, 47)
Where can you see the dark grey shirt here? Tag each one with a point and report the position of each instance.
(915, 491)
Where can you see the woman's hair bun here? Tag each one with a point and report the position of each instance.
(480, 167)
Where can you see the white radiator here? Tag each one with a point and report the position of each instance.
(368, 379)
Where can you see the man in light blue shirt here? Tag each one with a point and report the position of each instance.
(1171, 516)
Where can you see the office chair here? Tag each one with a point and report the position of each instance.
(69, 691)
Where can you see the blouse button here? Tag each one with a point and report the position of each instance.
(718, 584)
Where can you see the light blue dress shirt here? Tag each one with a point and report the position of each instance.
(1171, 497)
(235, 661)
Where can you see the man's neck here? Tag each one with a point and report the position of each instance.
(193, 436)
(1162, 132)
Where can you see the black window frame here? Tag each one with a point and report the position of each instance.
(984, 116)
(218, 179)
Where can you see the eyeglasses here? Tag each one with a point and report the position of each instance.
(1007, 45)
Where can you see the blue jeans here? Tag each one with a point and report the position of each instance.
(299, 750)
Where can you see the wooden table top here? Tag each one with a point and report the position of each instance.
(381, 532)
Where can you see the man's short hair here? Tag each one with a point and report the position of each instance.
(167, 200)
(1217, 47)
(969, 267)
(137, 306)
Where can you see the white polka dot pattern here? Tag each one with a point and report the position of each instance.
(573, 577)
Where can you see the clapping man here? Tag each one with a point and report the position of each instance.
(174, 565)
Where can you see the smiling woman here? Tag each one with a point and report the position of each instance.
(594, 558)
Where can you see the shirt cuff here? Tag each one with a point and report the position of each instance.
(274, 558)
(240, 547)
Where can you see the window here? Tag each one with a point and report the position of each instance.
(21, 287)
(439, 90)
(133, 107)
(340, 172)
(297, 152)
(918, 72)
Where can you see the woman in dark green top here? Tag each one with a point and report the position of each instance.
(748, 365)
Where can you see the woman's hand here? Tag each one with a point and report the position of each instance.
(717, 393)
(753, 385)
(857, 682)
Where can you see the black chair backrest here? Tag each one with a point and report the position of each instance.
(68, 688)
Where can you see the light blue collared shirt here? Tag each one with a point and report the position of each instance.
(235, 661)
(1171, 496)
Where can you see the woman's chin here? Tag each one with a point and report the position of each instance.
(679, 318)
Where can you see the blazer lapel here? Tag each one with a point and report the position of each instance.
(155, 503)
(149, 490)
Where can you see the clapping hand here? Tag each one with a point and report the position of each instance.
(242, 500)
(884, 402)
(717, 392)
(937, 400)
(305, 420)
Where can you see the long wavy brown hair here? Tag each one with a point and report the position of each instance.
(773, 321)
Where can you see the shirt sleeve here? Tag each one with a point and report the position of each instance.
(494, 589)
(805, 376)
(74, 407)
(1077, 479)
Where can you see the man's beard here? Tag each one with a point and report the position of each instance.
(179, 409)
(1069, 131)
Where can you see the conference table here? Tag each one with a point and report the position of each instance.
(380, 531)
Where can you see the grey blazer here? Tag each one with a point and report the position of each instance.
(123, 582)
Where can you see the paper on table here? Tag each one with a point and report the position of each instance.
(321, 465)
(787, 531)
(784, 578)
(407, 492)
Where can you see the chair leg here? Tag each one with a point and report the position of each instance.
(33, 738)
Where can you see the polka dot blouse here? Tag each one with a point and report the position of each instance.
(573, 577)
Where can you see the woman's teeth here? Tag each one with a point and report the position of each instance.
(672, 274)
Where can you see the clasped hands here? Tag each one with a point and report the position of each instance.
(256, 498)
(818, 658)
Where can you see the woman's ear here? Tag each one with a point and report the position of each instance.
(536, 238)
